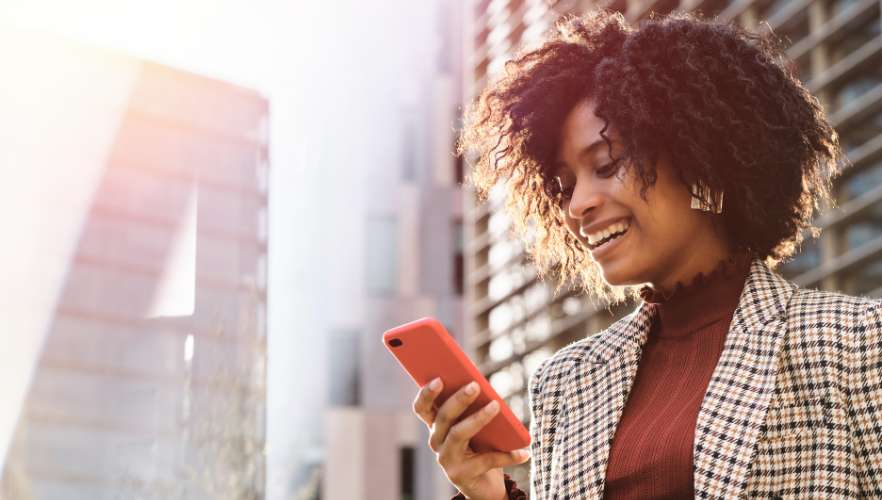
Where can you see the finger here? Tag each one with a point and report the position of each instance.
(450, 411)
(484, 462)
(424, 405)
(460, 434)
(481, 463)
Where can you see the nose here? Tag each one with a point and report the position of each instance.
(585, 198)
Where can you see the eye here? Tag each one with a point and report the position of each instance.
(609, 169)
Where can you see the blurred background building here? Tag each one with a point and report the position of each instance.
(412, 257)
(366, 217)
(151, 380)
(512, 322)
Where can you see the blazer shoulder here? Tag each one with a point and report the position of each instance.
(553, 371)
(561, 363)
(829, 303)
(565, 358)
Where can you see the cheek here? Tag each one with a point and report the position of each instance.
(665, 210)
(572, 227)
(674, 225)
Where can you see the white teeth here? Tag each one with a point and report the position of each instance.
(615, 228)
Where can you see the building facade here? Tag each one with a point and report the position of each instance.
(512, 322)
(409, 241)
(151, 379)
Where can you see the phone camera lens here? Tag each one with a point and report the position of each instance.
(395, 342)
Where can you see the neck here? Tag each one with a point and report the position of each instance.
(701, 301)
(694, 262)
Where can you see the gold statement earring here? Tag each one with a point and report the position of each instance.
(706, 200)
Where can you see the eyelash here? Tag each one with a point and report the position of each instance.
(567, 192)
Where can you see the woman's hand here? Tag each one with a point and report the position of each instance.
(478, 476)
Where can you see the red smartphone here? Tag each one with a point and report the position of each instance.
(425, 350)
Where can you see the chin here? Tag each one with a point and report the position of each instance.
(618, 273)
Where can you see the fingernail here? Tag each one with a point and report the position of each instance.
(435, 384)
(492, 406)
(521, 453)
(471, 388)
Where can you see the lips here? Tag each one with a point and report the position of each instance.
(602, 250)
(608, 239)
(596, 227)
(594, 233)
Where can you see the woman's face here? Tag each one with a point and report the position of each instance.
(664, 240)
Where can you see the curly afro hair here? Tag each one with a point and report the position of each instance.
(718, 99)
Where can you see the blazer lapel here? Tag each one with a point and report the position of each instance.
(593, 400)
(731, 413)
(738, 395)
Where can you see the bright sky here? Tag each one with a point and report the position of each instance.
(214, 37)
(328, 71)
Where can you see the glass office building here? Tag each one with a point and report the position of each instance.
(151, 380)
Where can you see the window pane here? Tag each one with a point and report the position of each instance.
(382, 254)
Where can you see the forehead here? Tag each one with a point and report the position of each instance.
(582, 123)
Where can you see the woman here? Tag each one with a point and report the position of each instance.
(675, 164)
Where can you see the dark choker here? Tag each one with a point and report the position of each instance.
(726, 268)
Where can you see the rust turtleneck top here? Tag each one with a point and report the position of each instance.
(651, 452)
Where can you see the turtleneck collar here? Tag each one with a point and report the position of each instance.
(702, 300)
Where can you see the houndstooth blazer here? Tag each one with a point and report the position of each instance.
(793, 409)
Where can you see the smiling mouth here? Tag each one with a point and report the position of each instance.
(607, 239)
